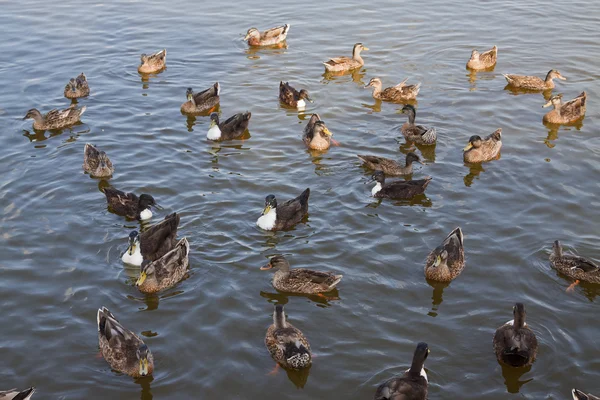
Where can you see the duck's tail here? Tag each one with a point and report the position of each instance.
(497, 135)
(337, 280)
(25, 394)
(303, 198)
(286, 29)
(82, 110)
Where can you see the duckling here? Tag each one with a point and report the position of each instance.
(77, 87)
(446, 261)
(391, 167)
(485, 60)
(153, 63)
(575, 267)
(416, 133)
(198, 103)
(293, 98)
(96, 163)
(300, 280)
(153, 243)
(577, 395)
(12, 394)
(482, 150)
(514, 343)
(55, 119)
(398, 190)
(316, 135)
(279, 217)
(128, 204)
(286, 343)
(533, 82)
(121, 348)
(347, 63)
(231, 129)
(267, 38)
(566, 113)
(400, 92)
(166, 271)
(412, 385)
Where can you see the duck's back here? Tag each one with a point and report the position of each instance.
(235, 126)
(159, 239)
(403, 190)
(121, 203)
(515, 347)
(403, 388)
(292, 211)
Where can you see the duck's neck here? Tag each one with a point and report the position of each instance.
(549, 81)
(411, 117)
(279, 320)
(376, 89)
(416, 368)
(519, 321)
(356, 56)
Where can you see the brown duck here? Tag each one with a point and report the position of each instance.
(565, 113)
(153, 63)
(96, 162)
(77, 87)
(485, 60)
(397, 190)
(55, 119)
(287, 344)
(128, 204)
(198, 103)
(267, 38)
(291, 97)
(400, 92)
(166, 271)
(316, 135)
(418, 134)
(481, 150)
(300, 280)
(515, 343)
(446, 261)
(533, 82)
(575, 267)
(391, 167)
(346, 63)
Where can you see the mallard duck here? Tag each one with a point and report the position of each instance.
(579, 395)
(153, 63)
(232, 128)
(400, 92)
(166, 271)
(198, 103)
(482, 150)
(300, 280)
(416, 133)
(565, 113)
(533, 82)
(483, 60)
(77, 87)
(128, 204)
(12, 394)
(446, 261)
(96, 163)
(391, 167)
(267, 38)
(514, 343)
(316, 135)
(55, 119)
(412, 385)
(153, 243)
(122, 349)
(293, 98)
(575, 267)
(286, 343)
(398, 190)
(284, 216)
(347, 63)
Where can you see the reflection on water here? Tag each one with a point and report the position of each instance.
(436, 296)
(546, 94)
(512, 377)
(146, 390)
(322, 300)
(357, 75)
(253, 52)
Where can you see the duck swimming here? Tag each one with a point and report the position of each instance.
(565, 113)
(284, 216)
(316, 135)
(514, 343)
(77, 87)
(575, 267)
(128, 204)
(533, 82)
(231, 129)
(346, 63)
(412, 385)
(96, 162)
(153, 63)
(291, 97)
(287, 344)
(416, 133)
(300, 280)
(482, 150)
(12, 394)
(446, 261)
(485, 60)
(198, 103)
(400, 92)
(391, 167)
(153, 243)
(267, 38)
(166, 271)
(55, 119)
(398, 190)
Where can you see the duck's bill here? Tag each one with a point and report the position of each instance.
(266, 210)
(144, 366)
(245, 38)
(468, 147)
(213, 123)
(327, 132)
(141, 279)
(562, 78)
(310, 100)
(266, 267)
(190, 97)
(158, 206)
(438, 261)
(548, 104)
(365, 48)
(131, 248)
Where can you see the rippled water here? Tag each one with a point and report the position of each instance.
(60, 246)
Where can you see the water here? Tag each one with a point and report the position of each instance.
(61, 247)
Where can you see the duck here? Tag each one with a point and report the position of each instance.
(565, 113)
(398, 190)
(575, 267)
(13, 394)
(166, 271)
(577, 395)
(346, 63)
(412, 385)
(400, 92)
(446, 261)
(300, 280)
(77, 87)
(485, 60)
(316, 135)
(416, 133)
(153, 243)
(287, 344)
(55, 119)
(198, 103)
(391, 167)
(129, 205)
(153, 63)
(482, 150)
(284, 216)
(96, 162)
(515, 343)
(267, 38)
(232, 128)
(533, 82)
(121, 348)
(291, 97)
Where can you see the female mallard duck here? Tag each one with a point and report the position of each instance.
(300, 280)
(128, 204)
(286, 343)
(96, 163)
(514, 343)
(416, 133)
(446, 261)
(398, 190)
(293, 98)
(346, 63)
(533, 82)
(231, 129)
(391, 167)
(284, 216)
(153, 243)
(77, 87)
(412, 385)
(482, 150)
(400, 92)
(575, 267)
(316, 135)
(267, 38)
(166, 271)
(565, 113)
(197, 103)
(121, 348)
(153, 63)
(577, 395)
(55, 119)
(483, 60)
(12, 394)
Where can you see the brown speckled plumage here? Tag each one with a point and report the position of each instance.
(416, 133)
(347, 63)
(316, 134)
(451, 261)
(483, 60)
(287, 344)
(198, 103)
(96, 163)
(400, 92)
(269, 37)
(481, 150)
(77, 87)
(153, 63)
(166, 271)
(533, 82)
(300, 280)
(565, 113)
(575, 267)
(55, 119)
(390, 167)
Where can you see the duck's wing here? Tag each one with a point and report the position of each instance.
(401, 84)
(584, 264)
(287, 94)
(159, 239)
(489, 57)
(158, 57)
(120, 202)
(275, 32)
(515, 345)
(208, 95)
(338, 61)
(308, 129)
(294, 208)
(294, 345)
(91, 157)
(308, 275)
(173, 263)
(378, 163)
(402, 388)
(575, 107)
(235, 125)
(524, 80)
(111, 329)
(406, 189)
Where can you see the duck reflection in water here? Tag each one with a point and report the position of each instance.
(357, 75)
(512, 378)
(146, 390)
(436, 296)
(253, 52)
(427, 151)
(554, 128)
(474, 171)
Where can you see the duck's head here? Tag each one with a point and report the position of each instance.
(410, 110)
(143, 354)
(378, 177)
(189, 94)
(146, 201)
(441, 256)
(374, 82)
(304, 95)
(270, 204)
(412, 157)
(554, 74)
(554, 100)
(421, 354)
(358, 47)
(214, 119)
(279, 317)
(143, 59)
(474, 55)
(134, 242)
(33, 114)
(252, 32)
(146, 271)
(321, 129)
(519, 315)
(474, 142)
(278, 262)
(557, 248)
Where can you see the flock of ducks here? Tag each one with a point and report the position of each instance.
(163, 259)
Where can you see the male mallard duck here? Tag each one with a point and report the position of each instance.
(481, 150)
(232, 128)
(533, 82)
(166, 271)
(416, 133)
(153, 63)
(316, 135)
(446, 261)
(12, 394)
(77, 87)
(398, 190)
(153, 243)
(412, 385)
(391, 167)
(284, 216)
(96, 163)
(267, 38)
(566, 113)
(483, 60)
(347, 63)
(400, 92)
(575, 267)
(577, 395)
(514, 343)
(128, 204)
(286, 343)
(121, 348)
(293, 98)
(198, 103)
(300, 280)
(55, 119)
